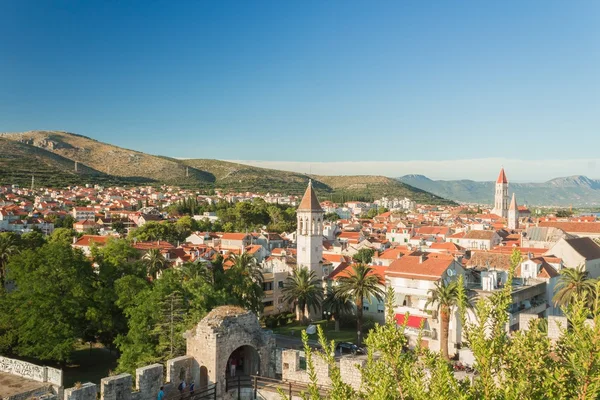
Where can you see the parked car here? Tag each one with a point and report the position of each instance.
(349, 348)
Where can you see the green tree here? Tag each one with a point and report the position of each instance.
(118, 226)
(364, 256)
(115, 260)
(62, 235)
(155, 263)
(303, 289)
(332, 216)
(48, 310)
(158, 313)
(244, 281)
(337, 305)
(9, 246)
(444, 297)
(362, 283)
(572, 283)
(33, 239)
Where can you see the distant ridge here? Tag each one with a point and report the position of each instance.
(577, 190)
(51, 157)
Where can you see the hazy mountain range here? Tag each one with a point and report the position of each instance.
(578, 190)
(50, 156)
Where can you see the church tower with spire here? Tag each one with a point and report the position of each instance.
(309, 234)
(513, 214)
(501, 196)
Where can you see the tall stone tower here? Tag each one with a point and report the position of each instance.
(309, 236)
(513, 214)
(501, 196)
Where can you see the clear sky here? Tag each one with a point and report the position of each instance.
(311, 81)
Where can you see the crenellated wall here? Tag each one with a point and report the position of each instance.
(349, 368)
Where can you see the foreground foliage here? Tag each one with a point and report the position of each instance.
(517, 365)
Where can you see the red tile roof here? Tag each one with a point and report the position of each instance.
(419, 267)
(502, 177)
(87, 240)
(309, 201)
(574, 227)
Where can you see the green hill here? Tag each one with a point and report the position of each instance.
(51, 157)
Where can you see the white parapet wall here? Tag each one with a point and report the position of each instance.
(31, 371)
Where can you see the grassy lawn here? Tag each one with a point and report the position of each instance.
(89, 366)
(295, 329)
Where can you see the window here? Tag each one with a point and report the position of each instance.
(280, 284)
(267, 286)
(366, 307)
(268, 304)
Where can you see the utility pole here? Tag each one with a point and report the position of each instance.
(32, 182)
(172, 325)
(75, 166)
(187, 172)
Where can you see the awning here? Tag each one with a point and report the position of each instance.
(414, 321)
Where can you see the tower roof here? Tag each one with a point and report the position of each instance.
(309, 201)
(513, 203)
(502, 177)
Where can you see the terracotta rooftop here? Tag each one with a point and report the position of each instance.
(419, 267)
(309, 201)
(502, 177)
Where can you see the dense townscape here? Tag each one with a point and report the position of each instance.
(136, 267)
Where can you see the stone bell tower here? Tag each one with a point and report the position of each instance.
(309, 236)
(501, 196)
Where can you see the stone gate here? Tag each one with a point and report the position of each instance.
(223, 332)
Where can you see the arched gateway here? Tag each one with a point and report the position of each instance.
(227, 333)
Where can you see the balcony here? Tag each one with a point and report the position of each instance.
(268, 293)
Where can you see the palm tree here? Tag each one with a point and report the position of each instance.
(246, 264)
(362, 283)
(303, 289)
(8, 247)
(155, 262)
(338, 305)
(573, 283)
(444, 296)
(246, 281)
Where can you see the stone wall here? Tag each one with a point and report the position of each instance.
(180, 367)
(349, 369)
(555, 324)
(54, 376)
(87, 391)
(116, 387)
(148, 381)
(23, 369)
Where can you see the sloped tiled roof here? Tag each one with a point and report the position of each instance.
(309, 201)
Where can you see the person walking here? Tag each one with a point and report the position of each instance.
(161, 393)
(232, 367)
(181, 388)
(192, 389)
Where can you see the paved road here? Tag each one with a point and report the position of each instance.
(290, 342)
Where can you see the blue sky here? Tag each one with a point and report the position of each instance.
(310, 81)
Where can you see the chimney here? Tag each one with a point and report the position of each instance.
(421, 258)
(74, 239)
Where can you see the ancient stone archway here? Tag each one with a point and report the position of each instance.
(222, 332)
(246, 359)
